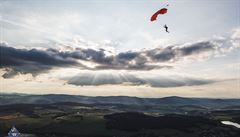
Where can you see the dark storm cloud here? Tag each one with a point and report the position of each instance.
(89, 79)
(141, 60)
(196, 48)
(127, 55)
(36, 61)
(162, 55)
(92, 55)
(30, 61)
(9, 73)
(174, 53)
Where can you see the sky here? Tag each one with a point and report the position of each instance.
(111, 48)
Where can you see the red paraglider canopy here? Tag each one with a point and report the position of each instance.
(155, 15)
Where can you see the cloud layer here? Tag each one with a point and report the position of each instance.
(93, 79)
(35, 61)
(32, 61)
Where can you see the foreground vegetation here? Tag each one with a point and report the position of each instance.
(85, 120)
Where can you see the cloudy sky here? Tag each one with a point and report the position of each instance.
(103, 47)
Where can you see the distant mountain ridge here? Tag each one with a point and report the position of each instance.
(6, 99)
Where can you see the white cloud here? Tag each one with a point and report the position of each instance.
(235, 38)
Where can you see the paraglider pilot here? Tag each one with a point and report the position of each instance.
(166, 28)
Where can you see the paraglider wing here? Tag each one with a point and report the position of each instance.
(155, 15)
